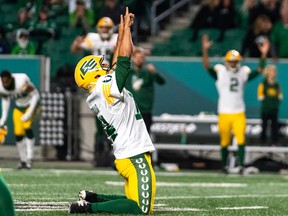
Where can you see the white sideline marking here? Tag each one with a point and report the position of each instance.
(223, 196)
(169, 209)
(179, 184)
(242, 208)
(40, 209)
(160, 207)
(46, 172)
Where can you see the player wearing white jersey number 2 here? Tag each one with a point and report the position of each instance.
(101, 43)
(18, 87)
(115, 107)
(230, 81)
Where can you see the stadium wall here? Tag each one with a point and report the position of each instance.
(189, 89)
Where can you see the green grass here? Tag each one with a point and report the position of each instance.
(50, 188)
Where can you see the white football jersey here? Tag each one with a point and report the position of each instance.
(120, 118)
(22, 81)
(230, 86)
(97, 46)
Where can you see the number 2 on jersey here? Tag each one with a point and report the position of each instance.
(234, 83)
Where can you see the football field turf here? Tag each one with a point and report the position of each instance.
(47, 192)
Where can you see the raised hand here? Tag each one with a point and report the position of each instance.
(206, 44)
(264, 47)
(128, 18)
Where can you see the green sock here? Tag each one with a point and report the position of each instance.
(119, 206)
(6, 202)
(105, 197)
(224, 155)
(241, 154)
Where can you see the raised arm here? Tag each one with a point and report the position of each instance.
(206, 44)
(126, 46)
(124, 50)
(76, 45)
(264, 48)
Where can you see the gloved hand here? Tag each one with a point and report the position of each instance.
(3, 133)
(25, 117)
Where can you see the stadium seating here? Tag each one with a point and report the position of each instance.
(180, 44)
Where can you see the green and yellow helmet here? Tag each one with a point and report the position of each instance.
(88, 70)
(232, 55)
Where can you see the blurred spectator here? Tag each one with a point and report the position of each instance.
(42, 29)
(142, 11)
(244, 13)
(4, 45)
(81, 17)
(30, 6)
(72, 5)
(279, 34)
(111, 10)
(206, 17)
(140, 83)
(255, 36)
(269, 8)
(226, 16)
(23, 45)
(22, 20)
(56, 7)
(101, 43)
(270, 95)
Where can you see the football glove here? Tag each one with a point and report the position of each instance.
(3, 133)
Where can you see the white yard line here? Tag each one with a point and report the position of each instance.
(45, 172)
(242, 208)
(179, 184)
(223, 196)
(63, 206)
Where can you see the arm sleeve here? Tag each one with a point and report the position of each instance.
(159, 78)
(212, 73)
(34, 101)
(5, 109)
(260, 92)
(122, 71)
(253, 74)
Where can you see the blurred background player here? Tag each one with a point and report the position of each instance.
(18, 87)
(118, 113)
(270, 95)
(101, 43)
(230, 81)
(140, 83)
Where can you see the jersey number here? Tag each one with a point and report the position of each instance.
(234, 83)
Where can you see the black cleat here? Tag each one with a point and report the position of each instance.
(88, 196)
(81, 206)
(224, 170)
(23, 165)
